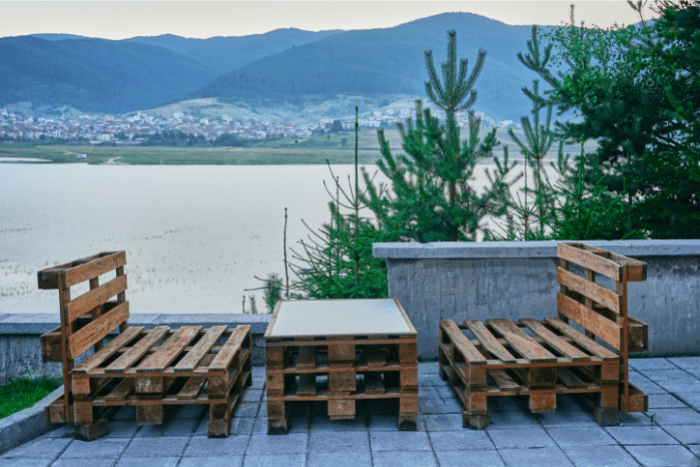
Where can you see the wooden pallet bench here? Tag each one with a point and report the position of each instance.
(582, 351)
(341, 369)
(148, 369)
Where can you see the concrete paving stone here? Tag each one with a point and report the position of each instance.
(645, 384)
(122, 429)
(348, 441)
(428, 368)
(258, 383)
(405, 459)
(534, 437)
(66, 430)
(465, 440)
(664, 456)
(580, 436)
(666, 375)
(509, 420)
(695, 449)
(339, 459)
(247, 409)
(680, 386)
(294, 425)
(102, 447)
(148, 462)
(84, 462)
(640, 435)
(608, 456)
(429, 379)
(399, 441)
(451, 406)
(277, 460)
(446, 422)
(326, 424)
(218, 461)
(126, 413)
(262, 409)
(665, 401)
(430, 406)
(195, 411)
(39, 449)
(173, 427)
(686, 434)
(542, 457)
(470, 459)
(685, 416)
(634, 419)
(294, 443)
(390, 422)
(252, 395)
(695, 372)
(446, 392)
(640, 364)
(504, 404)
(567, 418)
(207, 447)
(430, 392)
(156, 447)
(25, 462)
(686, 363)
(239, 426)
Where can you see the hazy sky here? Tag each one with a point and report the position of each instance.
(202, 19)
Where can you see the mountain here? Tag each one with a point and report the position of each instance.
(388, 61)
(94, 74)
(224, 54)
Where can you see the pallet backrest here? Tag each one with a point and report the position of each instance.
(89, 318)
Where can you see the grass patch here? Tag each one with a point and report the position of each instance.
(21, 393)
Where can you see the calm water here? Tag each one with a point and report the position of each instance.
(194, 235)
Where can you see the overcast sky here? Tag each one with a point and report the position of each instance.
(202, 19)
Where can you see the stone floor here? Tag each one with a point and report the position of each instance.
(668, 435)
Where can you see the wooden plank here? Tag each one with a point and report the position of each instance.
(636, 270)
(521, 342)
(307, 357)
(595, 292)
(169, 350)
(374, 384)
(555, 341)
(122, 391)
(95, 297)
(460, 341)
(110, 349)
(591, 321)
(578, 337)
(501, 378)
(51, 346)
(86, 337)
(138, 350)
(306, 386)
(569, 379)
(48, 278)
(95, 268)
(589, 260)
(228, 351)
(191, 388)
(488, 341)
(375, 356)
(195, 355)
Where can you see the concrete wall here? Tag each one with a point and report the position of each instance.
(20, 347)
(518, 280)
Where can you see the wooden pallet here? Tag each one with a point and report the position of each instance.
(540, 359)
(340, 370)
(148, 369)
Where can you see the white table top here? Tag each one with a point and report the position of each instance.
(311, 318)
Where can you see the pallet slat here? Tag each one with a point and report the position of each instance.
(195, 355)
(555, 341)
(86, 337)
(109, 350)
(589, 260)
(488, 341)
(595, 292)
(131, 356)
(602, 327)
(581, 339)
(230, 348)
(521, 342)
(468, 350)
(95, 297)
(169, 350)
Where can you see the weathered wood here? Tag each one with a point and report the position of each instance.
(488, 341)
(570, 379)
(51, 346)
(374, 383)
(102, 263)
(109, 350)
(306, 386)
(131, 356)
(556, 342)
(593, 291)
(191, 388)
(460, 341)
(86, 337)
(123, 389)
(585, 342)
(589, 260)
(341, 409)
(95, 297)
(501, 378)
(521, 342)
(375, 356)
(342, 382)
(230, 348)
(195, 355)
(591, 321)
(169, 350)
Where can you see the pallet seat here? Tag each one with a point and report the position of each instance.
(582, 351)
(148, 369)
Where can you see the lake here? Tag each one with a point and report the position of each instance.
(195, 236)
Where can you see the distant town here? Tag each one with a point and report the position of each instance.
(134, 128)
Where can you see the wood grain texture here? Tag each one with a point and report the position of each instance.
(593, 291)
(460, 341)
(195, 355)
(229, 350)
(591, 321)
(86, 337)
(87, 302)
(589, 260)
(109, 350)
(520, 341)
(169, 350)
(555, 341)
(589, 344)
(131, 356)
(488, 341)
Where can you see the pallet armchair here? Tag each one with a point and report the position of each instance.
(583, 351)
(148, 369)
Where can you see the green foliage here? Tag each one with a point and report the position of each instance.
(272, 291)
(21, 393)
(173, 138)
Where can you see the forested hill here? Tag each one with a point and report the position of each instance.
(389, 61)
(94, 74)
(224, 54)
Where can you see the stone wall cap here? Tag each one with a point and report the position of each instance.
(538, 249)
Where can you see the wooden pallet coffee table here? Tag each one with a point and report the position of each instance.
(340, 351)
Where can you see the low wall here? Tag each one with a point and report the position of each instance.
(518, 280)
(20, 347)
